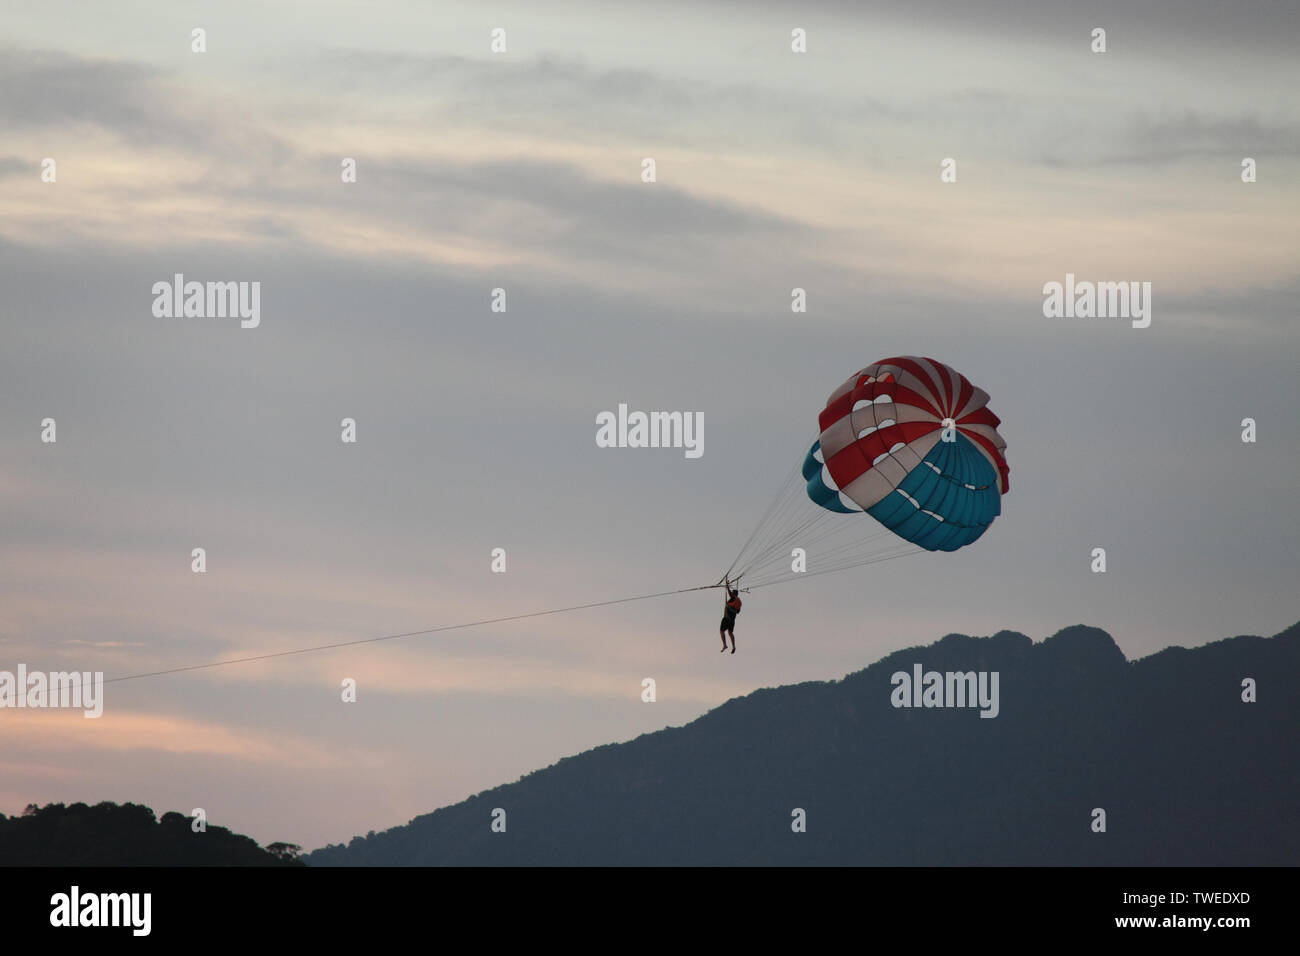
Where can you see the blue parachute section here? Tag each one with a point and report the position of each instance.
(943, 504)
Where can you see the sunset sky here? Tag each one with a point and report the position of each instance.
(522, 170)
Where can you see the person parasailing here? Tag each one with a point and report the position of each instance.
(730, 608)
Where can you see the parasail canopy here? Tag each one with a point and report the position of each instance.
(908, 441)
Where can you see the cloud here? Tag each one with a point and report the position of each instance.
(107, 644)
(116, 730)
(142, 105)
(16, 166)
(1251, 25)
(1161, 140)
(48, 88)
(548, 94)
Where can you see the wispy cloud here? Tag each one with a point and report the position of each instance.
(124, 731)
(1163, 140)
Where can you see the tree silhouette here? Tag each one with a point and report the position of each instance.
(284, 851)
(127, 835)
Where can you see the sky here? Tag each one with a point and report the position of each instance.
(522, 170)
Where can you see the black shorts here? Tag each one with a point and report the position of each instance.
(728, 623)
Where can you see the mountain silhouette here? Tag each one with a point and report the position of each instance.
(1186, 771)
(127, 835)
